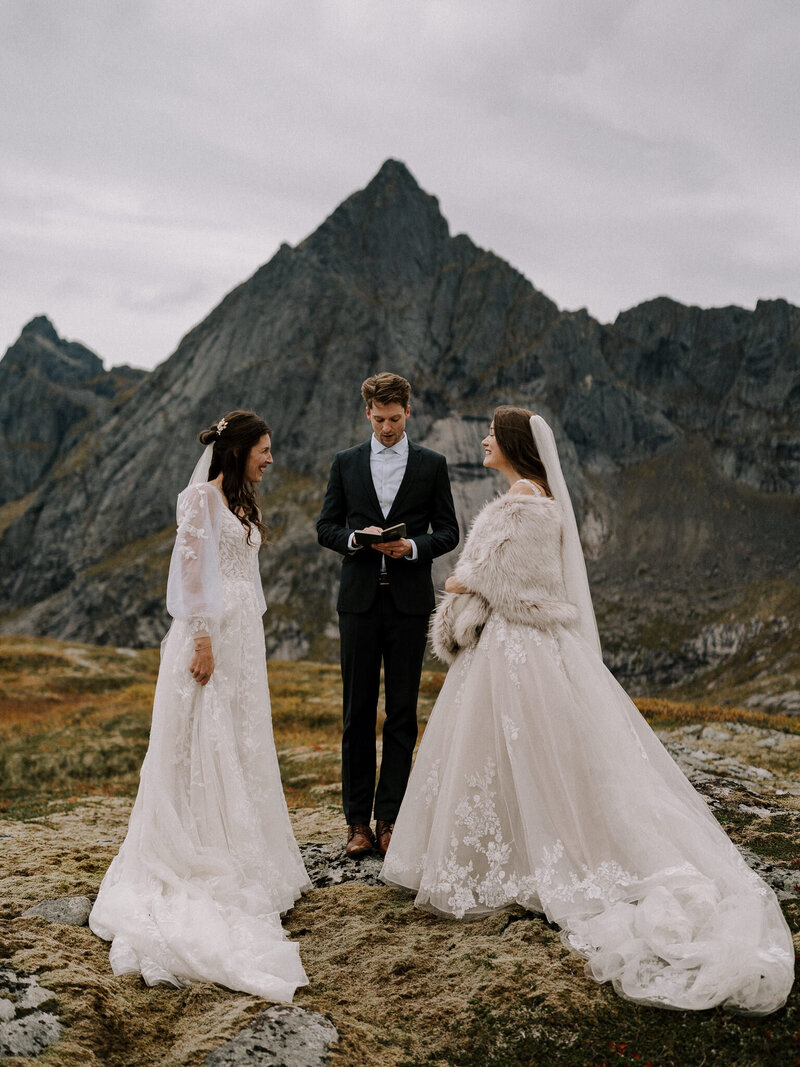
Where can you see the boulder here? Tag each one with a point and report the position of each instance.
(73, 911)
(328, 864)
(283, 1036)
(25, 1029)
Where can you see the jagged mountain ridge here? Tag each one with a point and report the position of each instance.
(730, 374)
(51, 392)
(382, 284)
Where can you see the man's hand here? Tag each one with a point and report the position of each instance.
(395, 549)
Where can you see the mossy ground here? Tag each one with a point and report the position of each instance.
(401, 986)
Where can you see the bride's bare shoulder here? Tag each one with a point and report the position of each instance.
(524, 487)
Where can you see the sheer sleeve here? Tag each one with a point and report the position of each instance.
(257, 583)
(194, 586)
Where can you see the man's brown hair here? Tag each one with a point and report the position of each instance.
(386, 388)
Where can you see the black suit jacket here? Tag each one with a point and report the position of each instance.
(424, 503)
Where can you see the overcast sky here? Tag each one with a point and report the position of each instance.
(154, 154)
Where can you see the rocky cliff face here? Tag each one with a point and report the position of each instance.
(732, 375)
(675, 426)
(52, 391)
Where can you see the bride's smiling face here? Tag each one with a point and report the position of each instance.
(258, 459)
(492, 455)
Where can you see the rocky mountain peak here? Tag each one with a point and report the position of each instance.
(41, 326)
(39, 350)
(392, 226)
(52, 391)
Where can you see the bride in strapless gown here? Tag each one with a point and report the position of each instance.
(538, 782)
(209, 862)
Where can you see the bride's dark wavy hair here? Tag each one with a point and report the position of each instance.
(512, 431)
(233, 436)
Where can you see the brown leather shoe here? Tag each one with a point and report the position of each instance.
(383, 834)
(359, 840)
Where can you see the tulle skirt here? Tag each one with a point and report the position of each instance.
(209, 861)
(538, 782)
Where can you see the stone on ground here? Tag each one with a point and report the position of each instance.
(281, 1035)
(74, 911)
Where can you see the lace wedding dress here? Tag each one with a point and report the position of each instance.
(538, 782)
(209, 861)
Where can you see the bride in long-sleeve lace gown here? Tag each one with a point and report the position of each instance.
(538, 782)
(209, 862)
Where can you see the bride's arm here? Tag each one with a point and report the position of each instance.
(452, 585)
(194, 589)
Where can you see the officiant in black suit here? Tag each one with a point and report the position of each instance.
(385, 599)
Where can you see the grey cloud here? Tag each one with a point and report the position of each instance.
(153, 155)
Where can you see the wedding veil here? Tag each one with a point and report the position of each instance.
(575, 579)
(200, 472)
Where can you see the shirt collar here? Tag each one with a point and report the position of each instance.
(400, 449)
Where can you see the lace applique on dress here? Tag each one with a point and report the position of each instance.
(510, 639)
(463, 664)
(607, 881)
(480, 879)
(510, 729)
(187, 530)
(430, 789)
(185, 549)
(235, 550)
(556, 647)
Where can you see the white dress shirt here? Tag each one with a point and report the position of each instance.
(387, 466)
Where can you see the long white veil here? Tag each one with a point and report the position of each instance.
(575, 577)
(203, 466)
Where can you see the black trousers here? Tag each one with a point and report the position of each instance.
(382, 634)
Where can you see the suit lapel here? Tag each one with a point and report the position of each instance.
(365, 473)
(414, 460)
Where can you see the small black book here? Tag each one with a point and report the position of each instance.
(391, 533)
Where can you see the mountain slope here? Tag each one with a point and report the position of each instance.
(675, 424)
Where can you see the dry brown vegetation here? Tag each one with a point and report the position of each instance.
(662, 712)
(402, 987)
